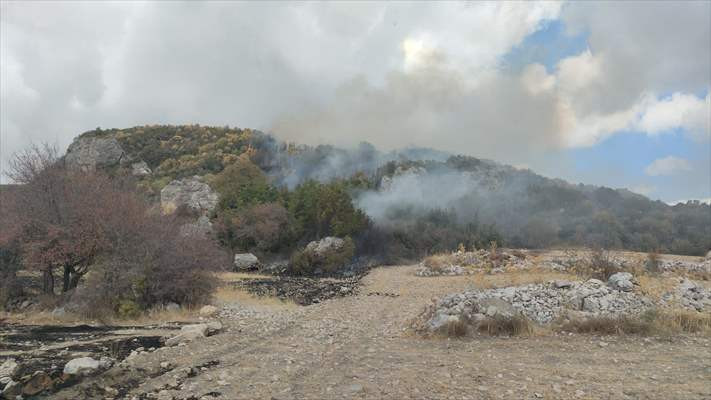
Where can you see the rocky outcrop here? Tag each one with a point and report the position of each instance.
(192, 193)
(91, 153)
(246, 262)
(541, 303)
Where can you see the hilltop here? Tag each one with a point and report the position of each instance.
(451, 199)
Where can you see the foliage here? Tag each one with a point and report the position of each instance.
(264, 227)
(324, 209)
(242, 185)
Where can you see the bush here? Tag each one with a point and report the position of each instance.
(509, 326)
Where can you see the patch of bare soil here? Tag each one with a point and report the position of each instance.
(357, 347)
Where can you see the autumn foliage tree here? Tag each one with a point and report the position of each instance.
(69, 223)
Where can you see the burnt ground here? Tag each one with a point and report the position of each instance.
(300, 290)
(48, 348)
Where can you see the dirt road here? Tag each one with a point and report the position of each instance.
(356, 347)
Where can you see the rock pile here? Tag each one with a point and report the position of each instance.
(468, 262)
(541, 303)
(690, 295)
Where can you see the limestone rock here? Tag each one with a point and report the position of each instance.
(188, 333)
(90, 153)
(246, 261)
(85, 366)
(192, 193)
(623, 281)
(325, 246)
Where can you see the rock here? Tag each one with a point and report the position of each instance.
(8, 368)
(246, 261)
(12, 390)
(39, 382)
(208, 311)
(562, 284)
(214, 327)
(140, 169)
(188, 333)
(325, 246)
(90, 153)
(85, 366)
(623, 281)
(200, 228)
(192, 193)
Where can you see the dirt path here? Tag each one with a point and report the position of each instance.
(356, 347)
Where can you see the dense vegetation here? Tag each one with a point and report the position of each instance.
(310, 192)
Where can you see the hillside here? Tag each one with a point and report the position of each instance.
(421, 200)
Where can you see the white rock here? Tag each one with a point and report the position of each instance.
(85, 366)
(246, 261)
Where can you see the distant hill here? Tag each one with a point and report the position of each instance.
(404, 188)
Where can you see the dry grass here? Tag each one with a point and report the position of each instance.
(506, 326)
(652, 322)
(438, 262)
(158, 315)
(238, 276)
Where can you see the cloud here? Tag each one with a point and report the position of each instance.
(394, 74)
(669, 165)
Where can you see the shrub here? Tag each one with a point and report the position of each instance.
(653, 262)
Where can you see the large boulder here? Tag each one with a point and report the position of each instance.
(623, 281)
(324, 247)
(246, 262)
(85, 366)
(90, 153)
(192, 193)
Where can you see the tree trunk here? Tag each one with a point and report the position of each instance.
(48, 284)
(67, 278)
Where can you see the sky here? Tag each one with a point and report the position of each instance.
(608, 93)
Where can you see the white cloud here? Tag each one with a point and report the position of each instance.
(680, 110)
(669, 165)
